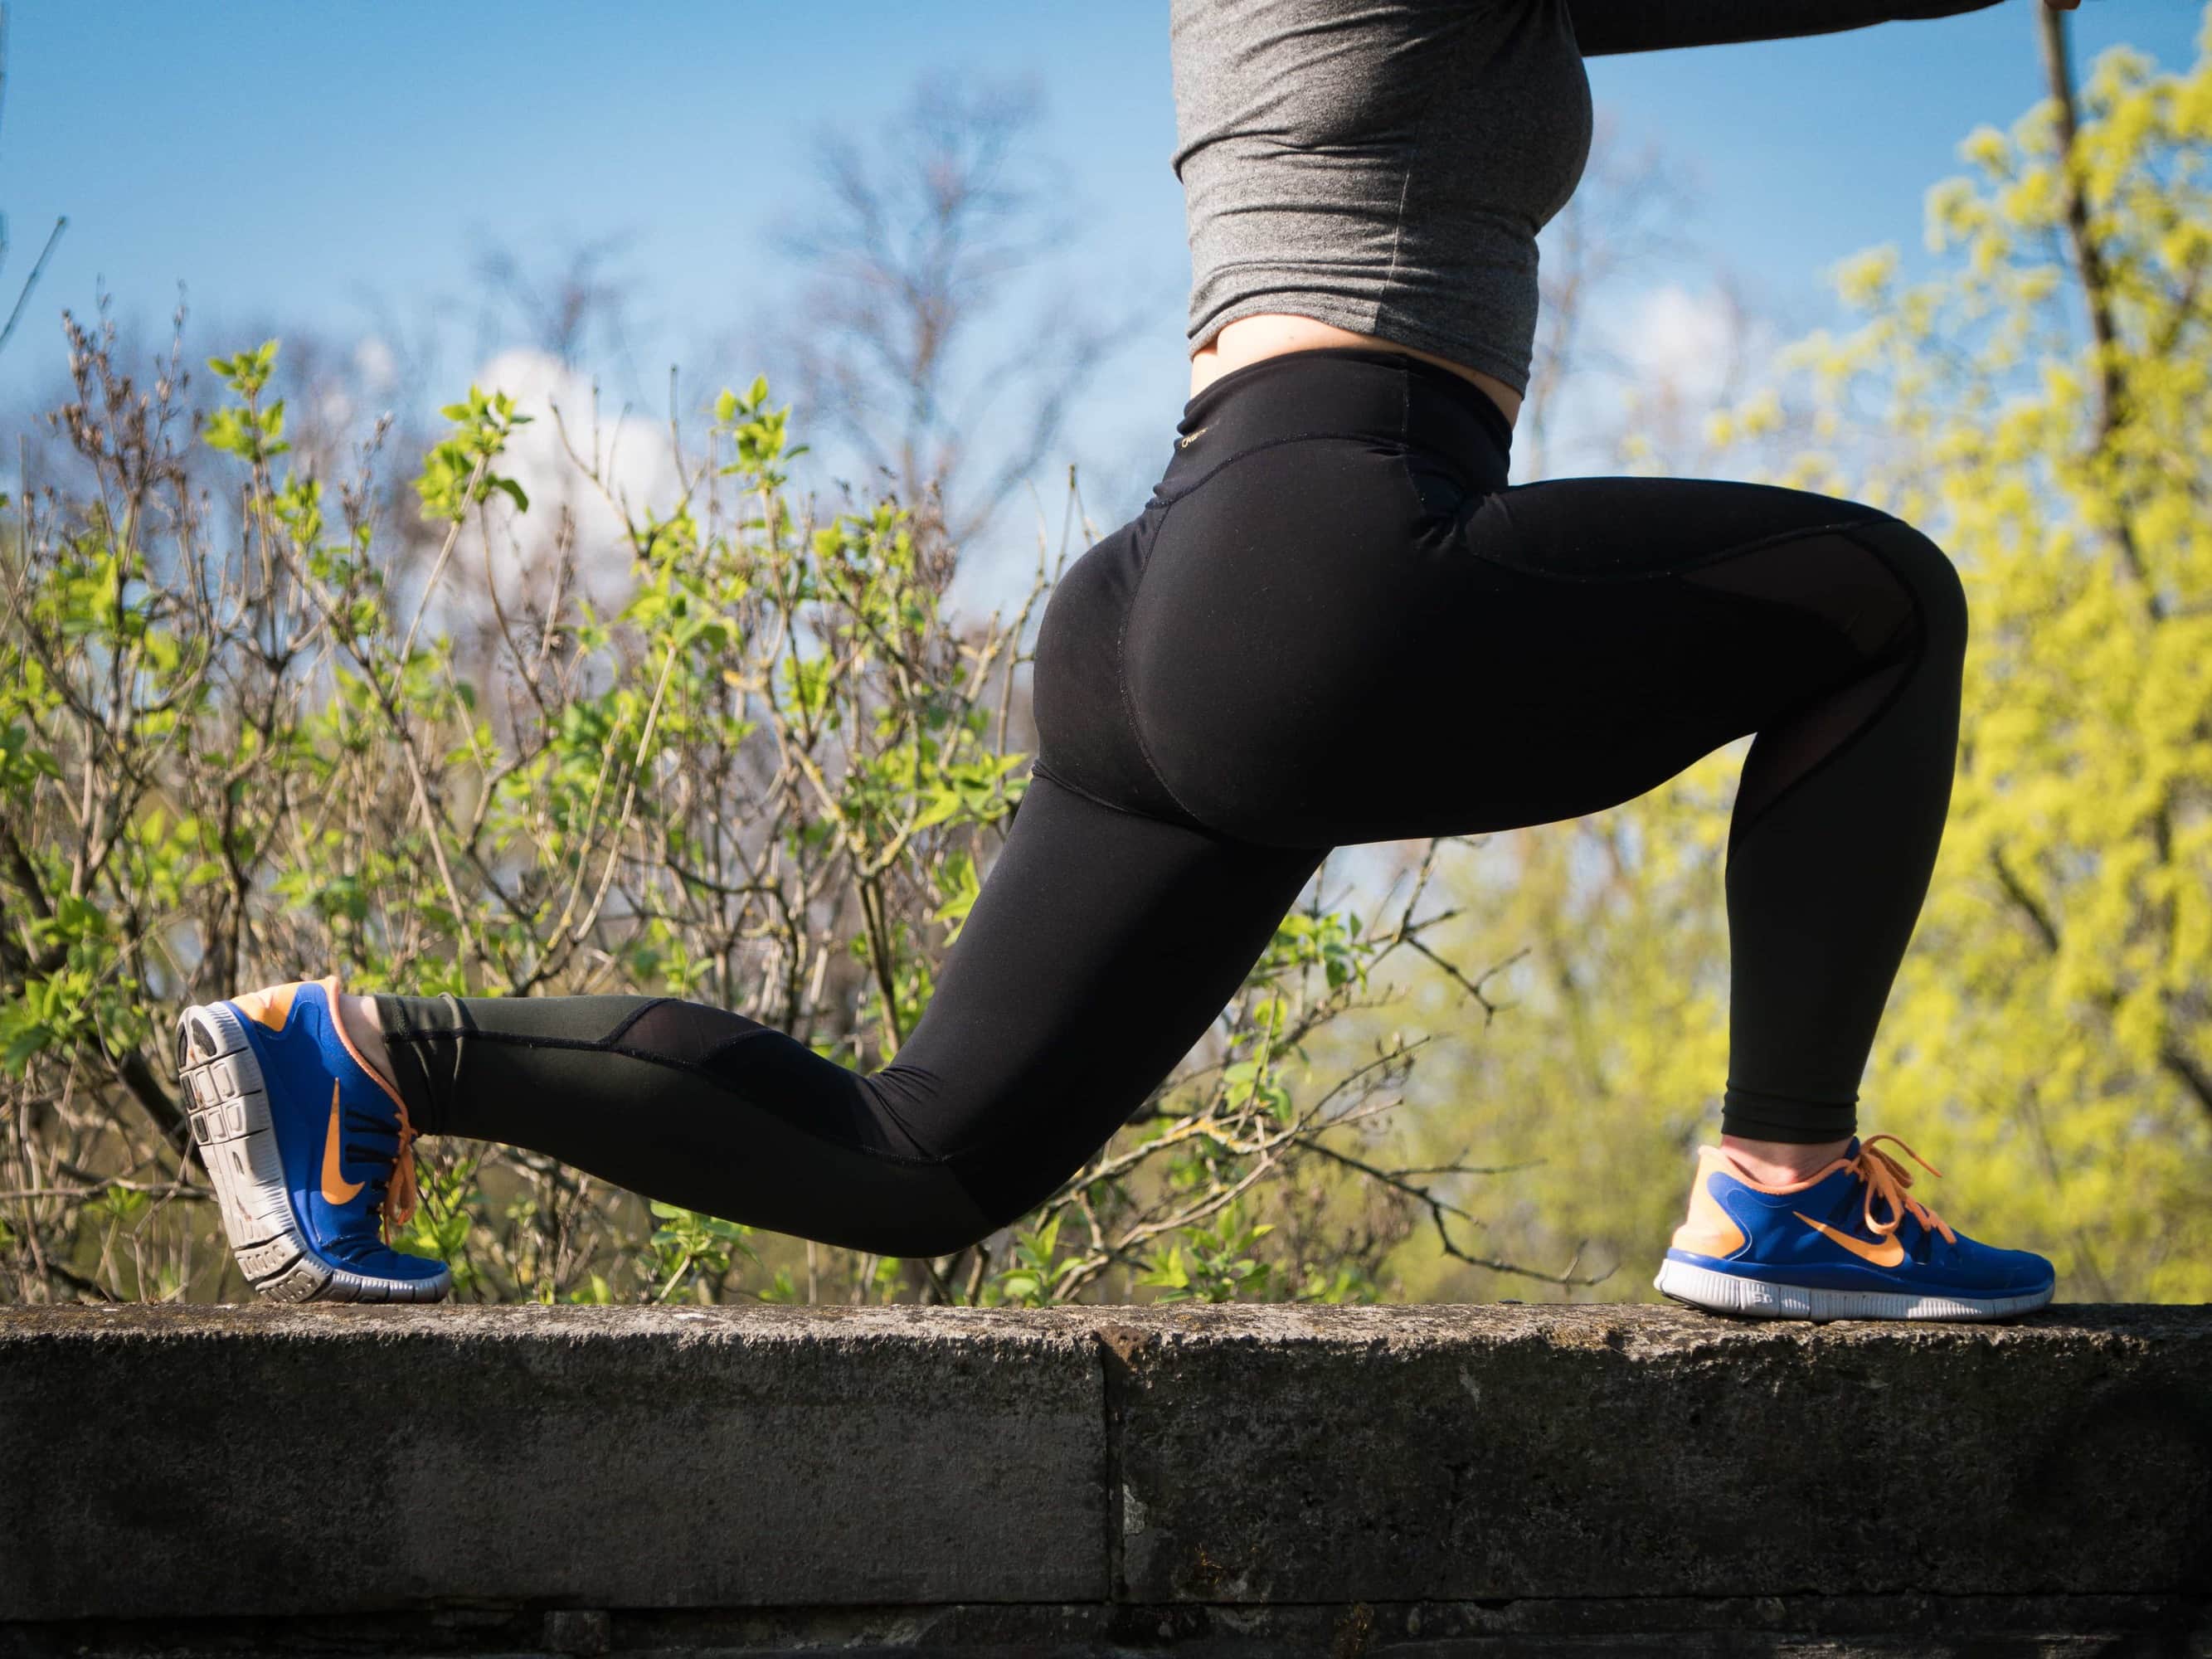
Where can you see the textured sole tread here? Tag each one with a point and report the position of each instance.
(236, 1139)
(1754, 1299)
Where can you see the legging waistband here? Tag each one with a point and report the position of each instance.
(1341, 392)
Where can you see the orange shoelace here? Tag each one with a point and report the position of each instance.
(1887, 1179)
(399, 1197)
(399, 1194)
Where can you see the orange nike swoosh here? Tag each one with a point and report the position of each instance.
(1888, 1253)
(337, 1189)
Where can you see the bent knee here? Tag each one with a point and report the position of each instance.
(1928, 573)
(914, 1211)
(928, 1241)
(965, 1199)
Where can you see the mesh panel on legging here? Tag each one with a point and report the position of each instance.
(1332, 622)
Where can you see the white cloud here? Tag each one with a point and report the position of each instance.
(1671, 336)
(633, 462)
(333, 408)
(374, 362)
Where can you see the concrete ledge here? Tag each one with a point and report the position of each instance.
(1800, 1627)
(1102, 1467)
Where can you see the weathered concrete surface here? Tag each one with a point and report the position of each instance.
(1449, 1480)
(1272, 1453)
(261, 1460)
(1804, 1627)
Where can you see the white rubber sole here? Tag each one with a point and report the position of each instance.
(237, 1145)
(1716, 1292)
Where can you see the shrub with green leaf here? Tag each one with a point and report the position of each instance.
(242, 742)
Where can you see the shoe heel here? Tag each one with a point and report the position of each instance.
(237, 1146)
(1724, 1293)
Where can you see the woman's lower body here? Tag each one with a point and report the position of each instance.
(1334, 623)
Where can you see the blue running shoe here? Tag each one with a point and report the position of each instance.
(309, 1150)
(1814, 1251)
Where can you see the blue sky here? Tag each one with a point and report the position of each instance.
(324, 161)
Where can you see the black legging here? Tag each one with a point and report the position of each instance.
(1332, 624)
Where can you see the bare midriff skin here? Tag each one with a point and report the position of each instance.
(1248, 339)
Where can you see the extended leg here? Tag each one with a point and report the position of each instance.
(1101, 947)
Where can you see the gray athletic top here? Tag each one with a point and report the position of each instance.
(1385, 165)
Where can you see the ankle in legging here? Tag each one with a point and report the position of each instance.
(1332, 622)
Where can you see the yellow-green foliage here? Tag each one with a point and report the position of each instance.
(2048, 1042)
